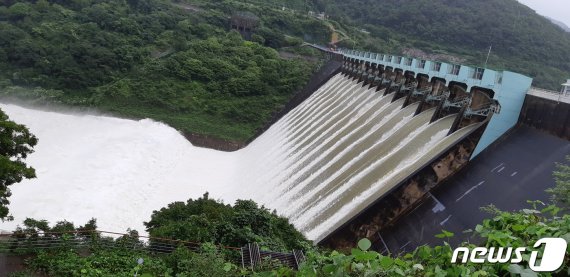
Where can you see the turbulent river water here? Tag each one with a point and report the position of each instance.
(319, 165)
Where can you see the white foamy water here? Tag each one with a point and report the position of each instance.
(319, 165)
(113, 169)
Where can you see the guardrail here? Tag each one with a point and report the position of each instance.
(21, 243)
(549, 94)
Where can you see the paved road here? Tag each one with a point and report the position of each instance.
(515, 170)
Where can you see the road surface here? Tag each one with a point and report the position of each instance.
(513, 171)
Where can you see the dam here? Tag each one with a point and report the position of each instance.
(358, 152)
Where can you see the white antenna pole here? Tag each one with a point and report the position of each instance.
(488, 54)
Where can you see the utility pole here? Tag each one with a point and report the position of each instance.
(488, 54)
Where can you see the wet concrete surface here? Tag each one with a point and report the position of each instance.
(517, 169)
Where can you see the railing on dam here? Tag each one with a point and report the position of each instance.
(471, 76)
(549, 94)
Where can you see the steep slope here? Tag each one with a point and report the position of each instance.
(559, 24)
(174, 62)
(522, 40)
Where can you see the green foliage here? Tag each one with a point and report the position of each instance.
(25, 273)
(444, 234)
(32, 228)
(116, 261)
(561, 192)
(503, 229)
(206, 262)
(277, 26)
(522, 40)
(16, 143)
(206, 220)
(151, 59)
(364, 244)
(68, 262)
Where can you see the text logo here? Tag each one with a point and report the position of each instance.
(551, 260)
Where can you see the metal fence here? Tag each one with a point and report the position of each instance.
(249, 256)
(88, 241)
(252, 257)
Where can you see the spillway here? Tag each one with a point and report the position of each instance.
(320, 165)
(115, 170)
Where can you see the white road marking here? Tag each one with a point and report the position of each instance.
(499, 171)
(497, 167)
(445, 220)
(470, 190)
(514, 173)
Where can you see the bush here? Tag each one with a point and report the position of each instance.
(206, 220)
(561, 192)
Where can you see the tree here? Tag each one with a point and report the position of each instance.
(16, 143)
(19, 10)
(206, 220)
(561, 192)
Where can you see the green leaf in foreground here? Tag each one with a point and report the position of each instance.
(364, 244)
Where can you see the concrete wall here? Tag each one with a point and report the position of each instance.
(547, 115)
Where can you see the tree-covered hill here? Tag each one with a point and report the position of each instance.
(559, 24)
(155, 58)
(521, 40)
(176, 60)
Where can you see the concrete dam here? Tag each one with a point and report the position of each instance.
(355, 155)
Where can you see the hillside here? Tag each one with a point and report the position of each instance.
(177, 62)
(522, 40)
(560, 24)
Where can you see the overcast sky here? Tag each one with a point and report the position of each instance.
(556, 9)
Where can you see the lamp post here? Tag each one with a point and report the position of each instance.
(565, 89)
(488, 54)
